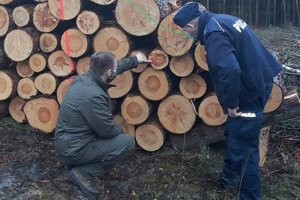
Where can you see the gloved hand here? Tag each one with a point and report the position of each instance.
(142, 59)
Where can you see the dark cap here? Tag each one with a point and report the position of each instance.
(187, 13)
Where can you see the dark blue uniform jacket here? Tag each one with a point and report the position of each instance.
(239, 65)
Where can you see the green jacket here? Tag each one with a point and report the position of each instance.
(85, 113)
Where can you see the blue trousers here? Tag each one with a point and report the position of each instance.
(242, 153)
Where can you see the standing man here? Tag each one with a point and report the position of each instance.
(242, 71)
(87, 140)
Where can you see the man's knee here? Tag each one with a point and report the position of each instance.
(128, 142)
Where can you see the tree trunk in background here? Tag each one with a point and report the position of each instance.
(284, 11)
(256, 13)
(274, 13)
(298, 11)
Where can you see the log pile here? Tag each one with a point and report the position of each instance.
(45, 43)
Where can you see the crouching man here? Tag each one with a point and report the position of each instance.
(87, 140)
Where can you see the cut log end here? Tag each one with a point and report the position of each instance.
(123, 83)
(113, 40)
(45, 83)
(159, 59)
(200, 57)
(42, 114)
(134, 22)
(60, 64)
(182, 66)
(127, 128)
(176, 114)
(74, 43)
(70, 9)
(62, 90)
(173, 40)
(37, 62)
(4, 21)
(26, 88)
(135, 109)
(16, 109)
(274, 100)
(18, 45)
(48, 42)
(24, 70)
(8, 84)
(88, 22)
(154, 84)
(21, 16)
(83, 65)
(210, 111)
(43, 20)
(192, 86)
(150, 136)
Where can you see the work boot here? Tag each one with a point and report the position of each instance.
(229, 183)
(84, 184)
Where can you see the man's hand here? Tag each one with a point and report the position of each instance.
(142, 59)
(233, 112)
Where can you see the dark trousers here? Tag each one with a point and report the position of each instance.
(100, 155)
(242, 153)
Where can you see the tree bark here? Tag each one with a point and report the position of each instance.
(137, 17)
(182, 66)
(154, 84)
(135, 109)
(42, 114)
(176, 114)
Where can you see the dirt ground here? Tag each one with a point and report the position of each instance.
(30, 170)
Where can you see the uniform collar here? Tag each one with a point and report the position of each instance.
(105, 86)
(204, 17)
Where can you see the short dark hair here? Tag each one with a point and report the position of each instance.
(101, 62)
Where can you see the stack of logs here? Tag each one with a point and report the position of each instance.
(45, 42)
